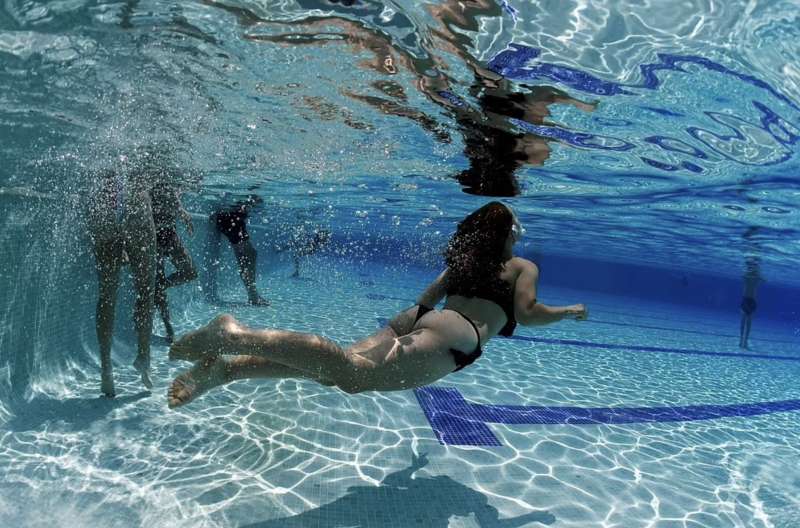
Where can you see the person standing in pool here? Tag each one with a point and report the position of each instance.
(752, 278)
(232, 222)
(121, 230)
(305, 244)
(167, 208)
(486, 289)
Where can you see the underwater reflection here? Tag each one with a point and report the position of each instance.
(495, 147)
(402, 496)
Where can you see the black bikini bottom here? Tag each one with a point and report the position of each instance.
(462, 359)
(232, 225)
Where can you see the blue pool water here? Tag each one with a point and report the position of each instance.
(665, 172)
(293, 453)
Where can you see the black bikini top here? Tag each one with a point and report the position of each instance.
(500, 293)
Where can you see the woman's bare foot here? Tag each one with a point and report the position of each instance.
(217, 337)
(142, 365)
(205, 375)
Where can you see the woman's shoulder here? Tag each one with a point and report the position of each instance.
(520, 264)
(516, 267)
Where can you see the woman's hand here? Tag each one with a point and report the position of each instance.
(579, 311)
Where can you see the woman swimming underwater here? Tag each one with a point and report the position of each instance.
(487, 291)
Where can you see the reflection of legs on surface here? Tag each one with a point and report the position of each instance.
(246, 258)
(108, 265)
(213, 372)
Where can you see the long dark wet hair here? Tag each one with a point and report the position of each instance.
(476, 252)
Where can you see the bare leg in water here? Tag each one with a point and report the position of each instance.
(213, 368)
(220, 370)
(109, 260)
(383, 361)
(160, 298)
(140, 244)
(184, 272)
(184, 267)
(246, 258)
(744, 330)
(113, 235)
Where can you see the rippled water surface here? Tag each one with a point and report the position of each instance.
(628, 136)
(678, 124)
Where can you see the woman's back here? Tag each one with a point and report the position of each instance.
(491, 305)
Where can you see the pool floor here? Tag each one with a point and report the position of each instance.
(292, 453)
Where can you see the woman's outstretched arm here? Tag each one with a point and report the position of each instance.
(528, 311)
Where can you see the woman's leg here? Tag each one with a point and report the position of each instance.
(246, 256)
(184, 267)
(141, 247)
(383, 361)
(108, 258)
(747, 322)
(741, 330)
(224, 335)
(220, 370)
(316, 356)
(160, 298)
(211, 258)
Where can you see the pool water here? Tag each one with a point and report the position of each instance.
(293, 453)
(649, 149)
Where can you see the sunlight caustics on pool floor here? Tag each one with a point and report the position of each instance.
(292, 453)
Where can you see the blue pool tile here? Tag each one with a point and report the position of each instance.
(455, 421)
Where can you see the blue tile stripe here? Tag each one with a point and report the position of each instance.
(455, 421)
(644, 348)
(451, 418)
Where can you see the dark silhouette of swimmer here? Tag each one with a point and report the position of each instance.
(422, 501)
(752, 278)
(305, 243)
(494, 145)
(232, 222)
(494, 151)
(167, 209)
(494, 148)
(120, 224)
